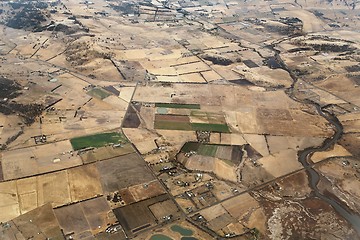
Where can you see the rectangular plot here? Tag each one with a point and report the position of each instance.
(53, 188)
(162, 209)
(72, 219)
(274, 114)
(207, 150)
(186, 126)
(146, 190)
(220, 222)
(38, 159)
(40, 222)
(250, 64)
(171, 118)
(27, 201)
(9, 205)
(28, 197)
(190, 146)
(98, 93)
(122, 172)
(224, 152)
(137, 216)
(84, 182)
(108, 152)
(98, 140)
(96, 212)
(240, 205)
(207, 117)
(177, 105)
(210, 127)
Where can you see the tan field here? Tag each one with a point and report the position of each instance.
(84, 182)
(179, 78)
(337, 151)
(281, 163)
(42, 159)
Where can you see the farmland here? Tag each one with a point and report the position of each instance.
(175, 105)
(98, 140)
(98, 93)
(191, 119)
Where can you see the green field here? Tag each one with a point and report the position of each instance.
(190, 146)
(186, 126)
(210, 127)
(207, 150)
(201, 149)
(98, 93)
(97, 140)
(176, 105)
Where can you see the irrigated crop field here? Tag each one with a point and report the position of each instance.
(98, 140)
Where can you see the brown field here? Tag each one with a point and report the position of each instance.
(38, 159)
(213, 212)
(84, 182)
(185, 204)
(53, 188)
(72, 219)
(146, 190)
(122, 172)
(337, 151)
(28, 195)
(172, 118)
(98, 214)
(281, 163)
(137, 216)
(143, 139)
(9, 203)
(240, 205)
(165, 208)
(43, 224)
(281, 143)
(220, 222)
(106, 152)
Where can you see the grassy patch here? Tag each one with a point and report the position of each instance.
(172, 125)
(161, 110)
(176, 105)
(98, 140)
(190, 146)
(207, 150)
(98, 93)
(210, 127)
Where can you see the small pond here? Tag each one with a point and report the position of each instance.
(160, 237)
(181, 230)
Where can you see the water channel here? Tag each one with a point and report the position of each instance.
(341, 208)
